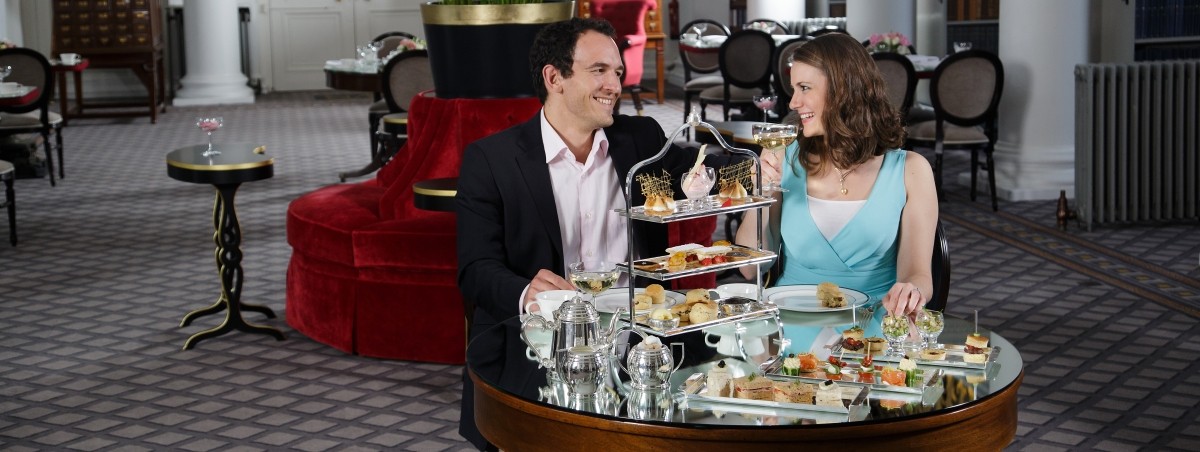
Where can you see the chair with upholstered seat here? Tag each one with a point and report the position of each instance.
(404, 76)
(30, 68)
(387, 42)
(768, 26)
(697, 66)
(940, 271)
(746, 67)
(901, 77)
(965, 93)
(628, 20)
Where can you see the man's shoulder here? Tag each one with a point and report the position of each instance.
(635, 123)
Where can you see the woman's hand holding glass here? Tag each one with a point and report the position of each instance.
(773, 138)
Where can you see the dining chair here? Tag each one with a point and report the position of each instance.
(31, 68)
(782, 72)
(769, 26)
(697, 66)
(901, 77)
(745, 61)
(965, 93)
(628, 20)
(7, 174)
(375, 112)
(404, 76)
(941, 270)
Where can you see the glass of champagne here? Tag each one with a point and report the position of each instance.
(210, 125)
(697, 185)
(5, 71)
(765, 102)
(593, 277)
(895, 330)
(774, 138)
(930, 324)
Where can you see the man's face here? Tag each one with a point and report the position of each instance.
(588, 95)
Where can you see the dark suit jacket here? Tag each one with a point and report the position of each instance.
(508, 230)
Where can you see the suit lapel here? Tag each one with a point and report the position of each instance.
(532, 163)
(622, 151)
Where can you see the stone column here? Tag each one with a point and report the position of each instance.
(211, 42)
(864, 17)
(1040, 44)
(780, 10)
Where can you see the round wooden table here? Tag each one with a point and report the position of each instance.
(351, 80)
(977, 410)
(235, 164)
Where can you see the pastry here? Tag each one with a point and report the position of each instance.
(642, 302)
(830, 295)
(933, 354)
(794, 392)
(647, 265)
(754, 387)
(698, 295)
(677, 262)
(657, 294)
(808, 362)
(659, 205)
(829, 394)
(702, 312)
(733, 191)
(876, 345)
(718, 381)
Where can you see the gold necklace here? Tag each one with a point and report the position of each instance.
(842, 178)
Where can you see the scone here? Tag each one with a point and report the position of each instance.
(697, 296)
(657, 294)
(702, 312)
(642, 302)
(830, 295)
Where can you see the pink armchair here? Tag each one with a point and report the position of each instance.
(628, 18)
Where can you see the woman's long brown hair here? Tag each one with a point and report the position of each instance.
(859, 121)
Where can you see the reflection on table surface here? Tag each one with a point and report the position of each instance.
(519, 374)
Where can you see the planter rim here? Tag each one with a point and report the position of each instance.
(435, 13)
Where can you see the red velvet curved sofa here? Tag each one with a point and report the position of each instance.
(371, 274)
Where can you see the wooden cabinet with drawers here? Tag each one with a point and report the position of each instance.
(114, 34)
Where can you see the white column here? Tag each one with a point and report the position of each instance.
(930, 37)
(864, 17)
(1040, 44)
(214, 74)
(780, 10)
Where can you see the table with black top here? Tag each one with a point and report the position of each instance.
(517, 407)
(236, 164)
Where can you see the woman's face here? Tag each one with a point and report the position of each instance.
(808, 100)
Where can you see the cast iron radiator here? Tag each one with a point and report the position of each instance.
(1137, 157)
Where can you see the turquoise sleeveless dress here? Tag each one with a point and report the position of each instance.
(862, 256)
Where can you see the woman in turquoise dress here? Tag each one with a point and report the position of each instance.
(858, 211)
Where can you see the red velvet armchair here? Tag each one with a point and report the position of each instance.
(373, 275)
(628, 18)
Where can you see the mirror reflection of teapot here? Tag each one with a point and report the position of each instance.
(650, 363)
(576, 322)
(650, 404)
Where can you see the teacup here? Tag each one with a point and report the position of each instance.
(689, 38)
(547, 302)
(69, 58)
(728, 344)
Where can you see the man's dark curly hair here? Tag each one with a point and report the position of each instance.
(555, 45)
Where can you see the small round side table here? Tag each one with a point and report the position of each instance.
(236, 164)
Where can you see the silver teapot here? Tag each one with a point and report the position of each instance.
(650, 364)
(575, 323)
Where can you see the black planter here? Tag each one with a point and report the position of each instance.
(482, 51)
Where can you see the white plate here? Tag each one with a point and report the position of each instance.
(803, 298)
(611, 299)
(738, 290)
(713, 39)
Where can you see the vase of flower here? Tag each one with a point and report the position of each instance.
(480, 48)
(892, 42)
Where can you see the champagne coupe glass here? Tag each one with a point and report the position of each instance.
(765, 102)
(697, 185)
(895, 330)
(774, 138)
(593, 277)
(701, 28)
(930, 324)
(210, 125)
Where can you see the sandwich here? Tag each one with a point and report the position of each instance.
(852, 339)
(753, 387)
(976, 349)
(718, 380)
(794, 392)
(829, 394)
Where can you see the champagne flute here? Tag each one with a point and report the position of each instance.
(774, 138)
(593, 277)
(210, 125)
(697, 185)
(765, 102)
(930, 324)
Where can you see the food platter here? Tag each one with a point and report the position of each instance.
(954, 356)
(852, 398)
(851, 376)
(612, 299)
(739, 255)
(684, 211)
(803, 298)
(757, 311)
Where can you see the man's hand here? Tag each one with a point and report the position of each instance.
(545, 280)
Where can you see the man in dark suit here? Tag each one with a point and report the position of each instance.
(540, 195)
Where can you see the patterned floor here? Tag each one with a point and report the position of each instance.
(111, 259)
